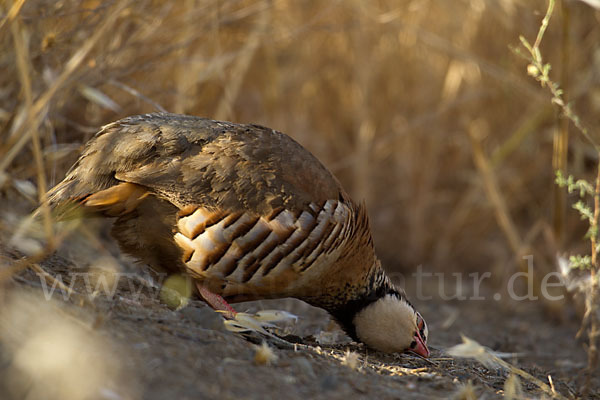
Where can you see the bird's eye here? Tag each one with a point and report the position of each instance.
(420, 322)
(421, 326)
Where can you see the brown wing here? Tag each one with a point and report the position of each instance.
(196, 161)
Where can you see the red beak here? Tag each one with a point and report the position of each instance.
(421, 348)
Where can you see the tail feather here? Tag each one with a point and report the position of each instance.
(69, 200)
(65, 200)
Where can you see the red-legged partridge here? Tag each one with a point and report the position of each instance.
(248, 213)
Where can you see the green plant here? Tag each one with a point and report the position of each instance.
(588, 205)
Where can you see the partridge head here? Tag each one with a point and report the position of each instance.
(247, 213)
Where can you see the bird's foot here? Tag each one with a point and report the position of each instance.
(246, 323)
(216, 302)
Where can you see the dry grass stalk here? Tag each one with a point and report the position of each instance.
(8, 272)
(493, 192)
(34, 116)
(24, 68)
(12, 13)
(242, 63)
(32, 259)
(137, 94)
(592, 304)
(561, 134)
(471, 349)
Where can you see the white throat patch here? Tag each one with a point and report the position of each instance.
(387, 324)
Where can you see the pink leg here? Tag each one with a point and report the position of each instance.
(216, 302)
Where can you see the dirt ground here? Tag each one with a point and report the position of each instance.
(420, 108)
(130, 345)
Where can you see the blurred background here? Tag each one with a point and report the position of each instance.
(419, 107)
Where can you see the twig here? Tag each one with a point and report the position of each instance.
(592, 306)
(561, 134)
(541, 71)
(544, 26)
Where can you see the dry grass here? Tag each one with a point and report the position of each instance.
(418, 106)
(386, 94)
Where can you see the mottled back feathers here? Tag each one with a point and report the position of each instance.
(189, 160)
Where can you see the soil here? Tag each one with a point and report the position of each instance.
(131, 345)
